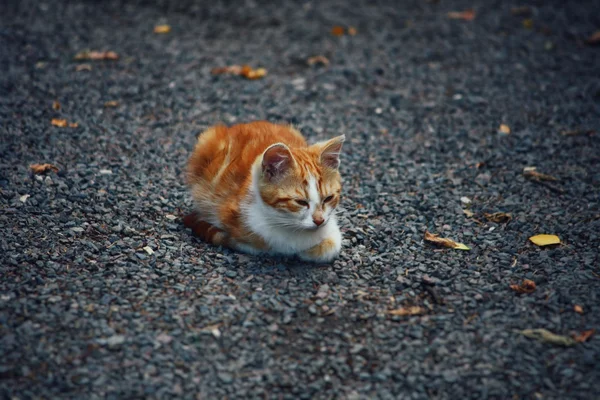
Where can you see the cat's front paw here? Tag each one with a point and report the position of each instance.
(325, 252)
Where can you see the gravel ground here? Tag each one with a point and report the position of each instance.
(87, 312)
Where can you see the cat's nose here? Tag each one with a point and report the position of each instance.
(318, 221)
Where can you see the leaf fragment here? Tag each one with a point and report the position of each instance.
(467, 15)
(527, 286)
(528, 23)
(433, 238)
(61, 123)
(241, 70)
(505, 129)
(73, 124)
(577, 132)
(352, 31)
(24, 198)
(337, 30)
(83, 67)
(111, 103)
(96, 55)
(468, 213)
(55, 105)
(498, 217)
(161, 29)
(532, 173)
(43, 168)
(578, 309)
(593, 39)
(403, 311)
(584, 336)
(318, 60)
(545, 336)
(545, 240)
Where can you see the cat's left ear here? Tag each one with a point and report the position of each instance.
(330, 151)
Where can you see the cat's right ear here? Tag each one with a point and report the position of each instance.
(276, 161)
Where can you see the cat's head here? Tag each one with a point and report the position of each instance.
(302, 186)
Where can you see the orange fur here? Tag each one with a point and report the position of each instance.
(220, 176)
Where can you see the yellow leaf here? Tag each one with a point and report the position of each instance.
(545, 240)
(162, 29)
(433, 238)
(504, 129)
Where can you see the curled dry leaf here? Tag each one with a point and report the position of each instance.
(43, 168)
(162, 29)
(55, 105)
(531, 172)
(318, 60)
(242, 70)
(545, 240)
(498, 217)
(402, 311)
(111, 103)
(337, 30)
(467, 15)
(584, 336)
(433, 238)
(96, 55)
(544, 335)
(578, 309)
(593, 39)
(504, 129)
(527, 286)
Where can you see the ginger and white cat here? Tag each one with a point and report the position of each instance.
(259, 188)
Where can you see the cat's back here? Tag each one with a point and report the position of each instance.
(223, 155)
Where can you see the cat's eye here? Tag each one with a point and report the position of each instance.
(303, 203)
(328, 199)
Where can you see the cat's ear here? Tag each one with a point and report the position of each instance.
(330, 151)
(276, 161)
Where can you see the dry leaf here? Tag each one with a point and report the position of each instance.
(584, 336)
(318, 60)
(578, 132)
(352, 31)
(55, 105)
(504, 129)
(402, 311)
(24, 198)
(43, 168)
(433, 238)
(162, 29)
(468, 213)
(62, 123)
(594, 38)
(337, 30)
(111, 103)
(544, 335)
(528, 23)
(578, 309)
(148, 250)
(73, 124)
(245, 70)
(498, 217)
(545, 240)
(83, 67)
(467, 15)
(527, 286)
(531, 172)
(96, 55)
(523, 11)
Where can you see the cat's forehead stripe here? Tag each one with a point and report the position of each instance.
(313, 193)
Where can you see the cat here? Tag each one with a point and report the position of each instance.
(260, 188)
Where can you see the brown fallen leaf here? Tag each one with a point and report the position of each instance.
(337, 30)
(96, 55)
(578, 309)
(162, 29)
(55, 105)
(527, 286)
(584, 336)
(523, 11)
(544, 335)
(467, 15)
(498, 217)
(352, 31)
(593, 39)
(402, 311)
(433, 238)
(73, 124)
(504, 129)
(111, 103)
(242, 70)
(318, 60)
(531, 172)
(83, 67)
(61, 123)
(43, 168)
